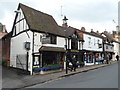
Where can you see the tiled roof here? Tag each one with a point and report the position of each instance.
(39, 21)
(90, 33)
(108, 37)
(97, 34)
(70, 31)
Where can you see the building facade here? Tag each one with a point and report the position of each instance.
(4, 46)
(92, 47)
(37, 42)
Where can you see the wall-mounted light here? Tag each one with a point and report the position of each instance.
(17, 11)
(27, 45)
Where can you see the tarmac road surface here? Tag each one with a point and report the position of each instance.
(105, 77)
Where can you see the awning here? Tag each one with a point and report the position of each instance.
(74, 51)
(54, 49)
(84, 50)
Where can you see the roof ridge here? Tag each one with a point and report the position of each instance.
(33, 9)
(40, 21)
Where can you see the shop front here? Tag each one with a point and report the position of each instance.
(49, 59)
(77, 57)
(92, 57)
(108, 51)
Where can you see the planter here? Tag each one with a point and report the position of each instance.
(48, 67)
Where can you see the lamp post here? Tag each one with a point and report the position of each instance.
(27, 47)
(65, 27)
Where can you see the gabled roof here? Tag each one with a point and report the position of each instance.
(69, 31)
(90, 33)
(116, 41)
(39, 21)
(108, 37)
(97, 34)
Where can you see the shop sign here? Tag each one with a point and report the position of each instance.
(46, 40)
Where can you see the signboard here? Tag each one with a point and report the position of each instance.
(108, 48)
(46, 40)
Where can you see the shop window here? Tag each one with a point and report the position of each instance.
(106, 47)
(36, 61)
(50, 59)
(74, 44)
(89, 59)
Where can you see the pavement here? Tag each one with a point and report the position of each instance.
(105, 77)
(13, 80)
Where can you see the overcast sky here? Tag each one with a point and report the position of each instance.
(91, 14)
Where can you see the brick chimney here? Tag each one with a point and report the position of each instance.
(97, 32)
(83, 28)
(105, 32)
(92, 31)
(4, 29)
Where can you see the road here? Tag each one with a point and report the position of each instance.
(105, 77)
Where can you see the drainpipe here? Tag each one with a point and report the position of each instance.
(32, 52)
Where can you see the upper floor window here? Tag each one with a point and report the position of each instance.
(106, 47)
(98, 41)
(74, 44)
(53, 39)
(89, 41)
(49, 39)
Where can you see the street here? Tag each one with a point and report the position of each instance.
(105, 77)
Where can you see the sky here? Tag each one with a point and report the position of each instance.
(91, 14)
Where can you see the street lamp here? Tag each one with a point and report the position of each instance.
(65, 27)
(27, 47)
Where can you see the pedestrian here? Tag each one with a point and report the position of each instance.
(107, 59)
(117, 57)
(102, 59)
(99, 59)
(69, 60)
(74, 61)
(110, 58)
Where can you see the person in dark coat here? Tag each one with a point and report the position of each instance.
(74, 61)
(117, 57)
(69, 60)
